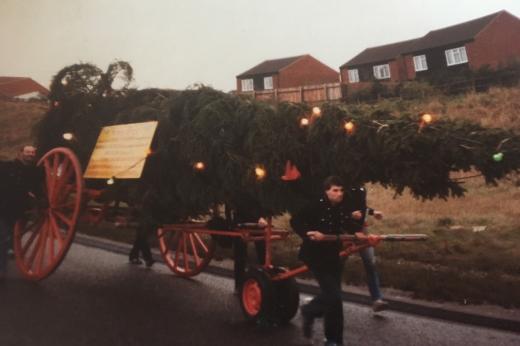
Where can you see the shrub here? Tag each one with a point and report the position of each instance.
(415, 90)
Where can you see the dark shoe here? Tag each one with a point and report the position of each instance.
(135, 260)
(149, 262)
(379, 305)
(307, 324)
(332, 343)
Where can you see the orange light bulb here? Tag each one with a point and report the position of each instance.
(68, 136)
(427, 118)
(260, 172)
(199, 166)
(349, 127)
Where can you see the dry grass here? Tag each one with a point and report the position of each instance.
(483, 205)
(499, 107)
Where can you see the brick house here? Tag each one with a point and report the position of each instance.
(385, 63)
(490, 40)
(21, 88)
(290, 72)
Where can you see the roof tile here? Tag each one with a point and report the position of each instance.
(16, 86)
(269, 66)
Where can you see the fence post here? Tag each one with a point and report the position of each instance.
(326, 94)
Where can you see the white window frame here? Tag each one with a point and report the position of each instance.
(247, 84)
(456, 56)
(419, 62)
(382, 71)
(353, 76)
(268, 83)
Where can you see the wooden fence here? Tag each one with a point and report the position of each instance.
(309, 94)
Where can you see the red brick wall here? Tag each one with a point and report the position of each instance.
(275, 82)
(409, 67)
(395, 71)
(353, 87)
(306, 71)
(498, 42)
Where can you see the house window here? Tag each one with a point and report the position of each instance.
(353, 76)
(456, 56)
(419, 62)
(382, 71)
(247, 85)
(268, 82)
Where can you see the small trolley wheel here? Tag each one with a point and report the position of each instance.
(257, 296)
(185, 252)
(42, 240)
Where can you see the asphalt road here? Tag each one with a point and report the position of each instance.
(97, 298)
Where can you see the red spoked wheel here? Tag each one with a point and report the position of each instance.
(42, 239)
(185, 252)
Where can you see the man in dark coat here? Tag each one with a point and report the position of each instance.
(148, 212)
(19, 183)
(330, 215)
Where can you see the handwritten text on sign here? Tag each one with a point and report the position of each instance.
(121, 151)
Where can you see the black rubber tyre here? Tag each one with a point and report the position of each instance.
(287, 300)
(257, 298)
(265, 301)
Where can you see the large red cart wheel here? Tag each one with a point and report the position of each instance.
(185, 252)
(42, 240)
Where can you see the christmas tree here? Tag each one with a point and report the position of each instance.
(213, 148)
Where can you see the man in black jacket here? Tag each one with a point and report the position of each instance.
(19, 183)
(148, 213)
(330, 215)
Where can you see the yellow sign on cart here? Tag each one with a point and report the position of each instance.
(121, 151)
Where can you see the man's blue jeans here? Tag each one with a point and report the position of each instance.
(369, 262)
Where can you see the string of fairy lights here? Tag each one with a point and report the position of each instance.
(291, 171)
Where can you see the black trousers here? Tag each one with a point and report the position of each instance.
(328, 303)
(141, 244)
(240, 258)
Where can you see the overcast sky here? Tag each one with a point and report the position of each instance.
(175, 43)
